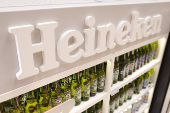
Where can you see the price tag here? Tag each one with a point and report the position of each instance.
(113, 92)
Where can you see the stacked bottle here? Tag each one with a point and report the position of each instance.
(128, 63)
(79, 86)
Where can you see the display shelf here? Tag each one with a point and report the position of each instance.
(134, 97)
(135, 75)
(143, 107)
(85, 105)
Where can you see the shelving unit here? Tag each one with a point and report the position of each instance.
(109, 88)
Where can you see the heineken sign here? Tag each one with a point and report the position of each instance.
(108, 36)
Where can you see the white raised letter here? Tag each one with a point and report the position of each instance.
(106, 36)
(64, 49)
(157, 20)
(25, 48)
(122, 32)
(136, 27)
(89, 37)
(147, 26)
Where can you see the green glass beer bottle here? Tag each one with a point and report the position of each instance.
(56, 95)
(76, 89)
(142, 81)
(17, 108)
(85, 83)
(146, 54)
(8, 107)
(136, 60)
(145, 83)
(93, 82)
(127, 64)
(132, 62)
(101, 78)
(98, 107)
(112, 103)
(91, 109)
(150, 53)
(121, 93)
(143, 55)
(66, 92)
(137, 85)
(22, 100)
(121, 68)
(125, 93)
(116, 70)
(31, 103)
(44, 99)
(130, 90)
(139, 57)
(117, 100)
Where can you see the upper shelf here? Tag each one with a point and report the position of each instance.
(135, 75)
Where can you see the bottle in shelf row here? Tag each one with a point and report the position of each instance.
(97, 108)
(125, 93)
(130, 62)
(134, 108)
(79, 86)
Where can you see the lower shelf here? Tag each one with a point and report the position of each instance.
(85, 105)
(134, 97)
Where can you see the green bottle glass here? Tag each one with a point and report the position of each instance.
(143, 55)
(146, 78)
(121, 93)
(137, 85)
(101, 78)
(76, 89)
(155, 55)
(112, 103)
(1, 108)
(66, 92)
(151, 76)
(17, 108)
(98, 107)
(117, 100)
(8, 108)
(56, 95)
(125, 93)
(139, 57)
(85, 83)
(142, 81)
(85, 111)
(136, 60)
(146, 54)
(121, 68)
(22, 100)
(31, 103)
(116, 70)
(93, 82)
(132, 62)
(44, 99)
(127, 64)
(130, 90)
(150, 53)
(91, 109)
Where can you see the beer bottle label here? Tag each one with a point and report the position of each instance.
(116, 73)
(67, 95)
(130, 92)
(121, 99)
(86, 92)
(77, 94)
(131, 66)
(101, 82)
(116, 102)
(112, 106)
(145, 83)
(127, 69)
(146, 98)
(93, 86)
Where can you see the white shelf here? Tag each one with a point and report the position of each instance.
(135, 75)
(85, 105)
(143, 107)
(134, 97)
